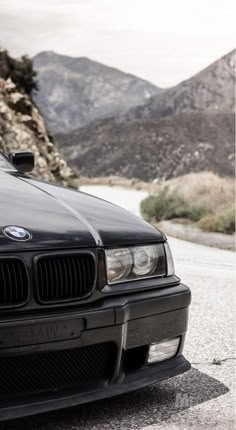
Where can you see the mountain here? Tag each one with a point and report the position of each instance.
(146, 150)
(188, 128)
(22, 126)
(211, 90)
(73, 92)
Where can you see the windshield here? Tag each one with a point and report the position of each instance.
(4, 164)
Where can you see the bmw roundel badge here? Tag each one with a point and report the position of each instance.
(17, 233)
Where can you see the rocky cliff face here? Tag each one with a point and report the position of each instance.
(188, 128)
(74, 92)
(22, 128)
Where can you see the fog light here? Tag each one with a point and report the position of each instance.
(163, 350)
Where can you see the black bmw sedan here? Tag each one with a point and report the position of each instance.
(90, 306)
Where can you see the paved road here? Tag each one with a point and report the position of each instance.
(202, 398)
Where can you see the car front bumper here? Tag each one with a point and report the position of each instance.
(131, 322)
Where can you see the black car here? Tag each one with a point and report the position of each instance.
(90, 306)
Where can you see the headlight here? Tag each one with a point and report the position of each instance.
(125, 264)
(119, 264)
(145, 260)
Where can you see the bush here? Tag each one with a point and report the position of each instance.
(20, 71)
(223, 222)
(168, 205)
(177, 198)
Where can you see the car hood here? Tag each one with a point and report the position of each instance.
(63, 218)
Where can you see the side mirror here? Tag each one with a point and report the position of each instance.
(23, 161)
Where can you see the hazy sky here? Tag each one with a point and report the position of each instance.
(164, 41)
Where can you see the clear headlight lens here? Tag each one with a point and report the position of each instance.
(145, 260)
(124, 264)
(119, 264)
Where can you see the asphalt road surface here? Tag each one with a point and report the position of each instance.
(204, 397)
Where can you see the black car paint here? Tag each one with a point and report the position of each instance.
(131, 315)
(59, 217)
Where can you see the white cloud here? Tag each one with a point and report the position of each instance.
(162, 41)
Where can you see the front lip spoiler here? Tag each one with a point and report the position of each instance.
(139, 379)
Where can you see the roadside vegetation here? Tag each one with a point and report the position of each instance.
(222, 222)
(203, 198)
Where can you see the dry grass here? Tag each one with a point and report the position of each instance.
(205, 189)
(203, 197)
(201, 188)
(115, 181)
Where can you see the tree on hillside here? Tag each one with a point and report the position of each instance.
(20, 71)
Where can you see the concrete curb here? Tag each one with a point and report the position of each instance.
(194, 234)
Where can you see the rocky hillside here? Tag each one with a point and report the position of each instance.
(22, 128)
(73, 92)
(147, 150)
(188, 128)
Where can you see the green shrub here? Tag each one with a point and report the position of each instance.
(223, 222)
(166, 205)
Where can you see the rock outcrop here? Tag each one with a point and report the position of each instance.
(22, 128)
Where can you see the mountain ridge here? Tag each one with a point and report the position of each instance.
(187, 128)
(75, 91)
(204, 91)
